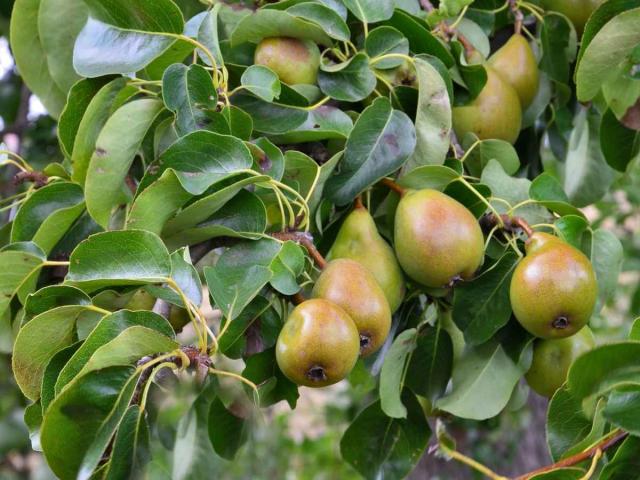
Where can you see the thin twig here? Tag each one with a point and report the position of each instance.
(393, 186)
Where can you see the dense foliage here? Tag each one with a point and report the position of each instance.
(412, 167)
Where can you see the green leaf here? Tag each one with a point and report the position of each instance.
(482, 307)
(53, 296)
(625, 462)
(18, 270)
(393, 372)
(608, 48)
(131, 449)
(567, 423)
(485, 372)
(381, 140)
(619, 144)
(38, 341)
(77, 415)
(385, 40)
(370, 11)
(265, 23)
(208, 36)
(429, 176)
(378, 446)
(186, 276)
(486, 150)
(547, 191)
(270, 118)
(262, 82)
(116, 147)
(131, 257)
(30, 57)
(323, 15)
(607, 256)
(52, 371)
(105, 102)
(433, 118)
(430, 367)
(622, 409)
(322, 123)
(47, 214)
(287, 267)
(188, 92)
(273, 386)
(123, 36)
(227, 431)
(349, 81)
(559, 45)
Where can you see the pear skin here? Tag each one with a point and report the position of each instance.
(578, 11)
(553, 288)
(437, 240)
(352, 287)
(516, 64)
(494, 113)
(294, 61)
(552, 359)
(359, 240)
(318, 344)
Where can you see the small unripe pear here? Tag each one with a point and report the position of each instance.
(141, 300)
(494, 113)
(318, 344)
(359, 240)
(294, 61)
(552, 359)
(352, 287)
(516, 64)
(553, 289)
(437, 240)
(578, 11)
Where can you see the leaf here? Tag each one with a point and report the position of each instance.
(619, 144)
(323, 15)
(18, 268)
(30, 57)
(349, 81)
(433, 117)
(131, 449)
(608, 48)
(53, 296)
(622, 409)
(131, 257)
(370, 11)
(262, 82)
(385, 40)
(286, 268)
(547, 190)
(559, 44)
(52, 371)
(125, 36)
(271, 118)
(265, 23)
(208, 36)
(428, 176)
(482, 307)
(38, 341)
(188, 92)
(323, 123)
(273, 386)
(485, 372)
(606, 257)
(186, 276)
(429, 369)
(227, 431)
(567, 423)
(381, 447)
(486, 150)
(381, 140)
(393, 373)
(624, 463)
(116, 147)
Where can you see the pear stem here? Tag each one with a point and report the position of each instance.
(297, 298)
(357, 203)
(517, 26)
(387, 182)
(306, 240)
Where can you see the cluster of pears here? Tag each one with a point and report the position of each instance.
(512, 84)
(553, 293)
(295, 61)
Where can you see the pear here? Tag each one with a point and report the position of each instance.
(358, 239)
(141, 300)
(494, 113)
(437, 240)
(552, 359)
(553, 289)
(318, 344)
(353, 288)
(517, 65)
(294, 61)
(578, 11)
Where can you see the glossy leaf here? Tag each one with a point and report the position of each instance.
(349, 81)
(385, 40)
(262, 82)
(429, 176)
(393, 373)
(323, 15)
(429, 370)
(370, 11)
(227, 431)
(265, 23)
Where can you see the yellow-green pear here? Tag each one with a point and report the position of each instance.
(553, 288)
(517, 65)
(294, 61)
(358, 239)
(353, 287)
(437, 240)
(318, 344)
(578, 11)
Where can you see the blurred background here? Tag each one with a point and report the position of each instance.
(304, 444)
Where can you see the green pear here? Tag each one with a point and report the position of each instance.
(358, 239)
(494, 113)
(516, 64)
(578, 11)
(318, 344)
(141, 300)
(552, 359)
(553, 289)
(294, 61)
(437, 240)
(353, 288)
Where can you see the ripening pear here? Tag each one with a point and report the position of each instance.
(141, 300)
(494, 113)
(437, 240)
(553, 288)
(294, 61)
(517, 65)
(552, 359)
(359, 240)
(318, 344)
(578, 11)
(352, 287)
